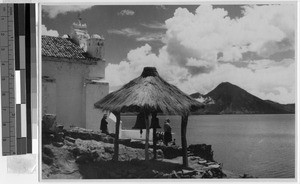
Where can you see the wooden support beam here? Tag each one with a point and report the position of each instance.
(184, 121)
(154, 123)
(147, 137)
(116, 142)
(154, 142)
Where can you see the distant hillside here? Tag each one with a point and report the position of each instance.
(288, 107)
(227, 98)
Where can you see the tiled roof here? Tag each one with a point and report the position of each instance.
(58, 47)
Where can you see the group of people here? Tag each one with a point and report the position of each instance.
(167, 129)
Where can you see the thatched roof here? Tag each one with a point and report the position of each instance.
(150, 92)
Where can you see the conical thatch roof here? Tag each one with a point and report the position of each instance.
(151, 93)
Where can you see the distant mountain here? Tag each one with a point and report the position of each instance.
(227, 98)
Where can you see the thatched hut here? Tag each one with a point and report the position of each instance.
(149, 93)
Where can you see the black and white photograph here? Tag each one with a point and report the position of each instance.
(168, 91)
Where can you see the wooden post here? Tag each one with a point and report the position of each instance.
(154, 142)
(184, 121)
(147, 137)
(154, 123)
(116, 142)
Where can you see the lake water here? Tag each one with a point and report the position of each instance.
(259, 145)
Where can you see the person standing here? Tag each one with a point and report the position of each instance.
(168, 132)
(103, 125)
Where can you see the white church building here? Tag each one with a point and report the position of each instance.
(73, 71)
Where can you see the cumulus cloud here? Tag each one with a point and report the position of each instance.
(119, 74)
(126, 12)
(206, 47)
(53, 11)
(197, 63)
(49, 32)
(209, 31)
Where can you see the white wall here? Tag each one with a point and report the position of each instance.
(69, 88)
(97, 71)
(69, 97)
(94, 92)
(49, 97)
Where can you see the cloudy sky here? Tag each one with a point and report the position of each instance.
(193, 47)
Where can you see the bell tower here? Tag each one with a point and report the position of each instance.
(95, 46)
(79, 33)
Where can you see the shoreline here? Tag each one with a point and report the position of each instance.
(81, 153)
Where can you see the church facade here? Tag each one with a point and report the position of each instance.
(73, 73)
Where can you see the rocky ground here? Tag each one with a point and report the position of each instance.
(80, 153)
